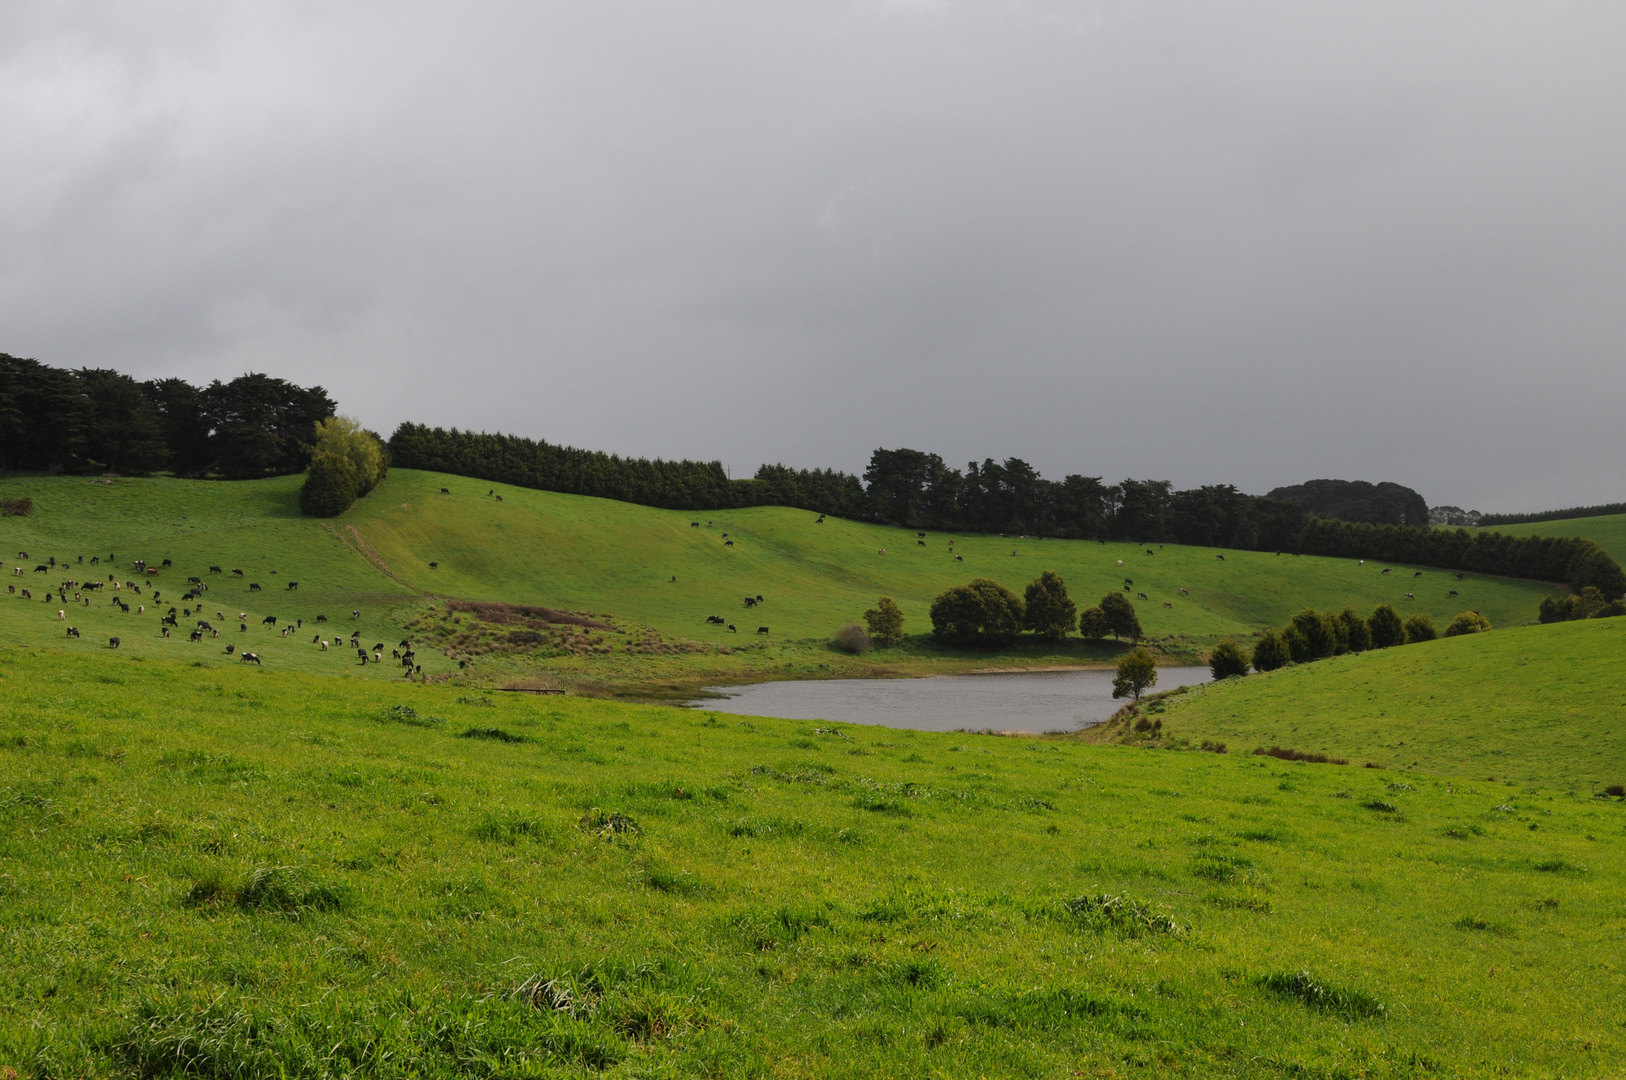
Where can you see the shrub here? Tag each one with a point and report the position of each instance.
(330, 487)
(494, 734)
(981, 614)
(1355, 634)
(1092, 624)
(851, 638)
(1137, 672)
(1469, 622)
(1298, 646)
(1271, 652)
(1320, 634)
(885, 621)
(1420, 627)
(21, 506)
(1613, 609)
(1386, 628)
(1049, 610)
(347, 462)
(1228, 659)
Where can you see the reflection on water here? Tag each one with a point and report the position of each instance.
(1034, 701)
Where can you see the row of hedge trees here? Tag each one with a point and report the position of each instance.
(1589, 603)
(1314, 635)
(983, 614)
(91, 420)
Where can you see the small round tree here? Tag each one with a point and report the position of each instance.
(1420, 628)
(1386, 627)
(1050, 611)
(1298, 646)
(1227, 659)
(1270, 652)
(1121, 618)
(1356, 634)
(1469, 622)
(1092, 624)
(330, 486)
(1137, 672)
(885, 621)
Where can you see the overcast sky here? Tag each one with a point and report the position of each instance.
(1255, 243)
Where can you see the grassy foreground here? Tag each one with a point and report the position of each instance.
(645, 572)
(219, 871)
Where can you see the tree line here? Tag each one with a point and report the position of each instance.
(1552, 515)
(96, 420)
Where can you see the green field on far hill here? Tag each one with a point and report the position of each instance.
(1608, 531)
(619, 561)
(219, 871)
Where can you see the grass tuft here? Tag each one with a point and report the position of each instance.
(1324, 997)
(608, 824)
(1122, 915)
(1285, 754)
(494, 734)
(406, 714)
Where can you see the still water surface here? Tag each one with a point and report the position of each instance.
(1031, 701)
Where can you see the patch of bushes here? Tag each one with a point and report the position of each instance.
(1284, 754)
(1469, 622)
(1228, 659)
(1324, 997)
(981, 614)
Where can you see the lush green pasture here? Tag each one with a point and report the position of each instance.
(619, 560)
(1608, 532)
(225, 871)
(1539, 704)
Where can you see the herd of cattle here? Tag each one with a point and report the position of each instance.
(201, 627)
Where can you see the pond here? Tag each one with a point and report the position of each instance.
(1031, 702)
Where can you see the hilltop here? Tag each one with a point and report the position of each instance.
(614, 563)
(1608, 531)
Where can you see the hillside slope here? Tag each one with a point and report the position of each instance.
(1538, 704)
(618, 559)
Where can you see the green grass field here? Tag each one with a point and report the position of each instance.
(1537, 704)
(1608, 532)
(211, 870)
(620, 560)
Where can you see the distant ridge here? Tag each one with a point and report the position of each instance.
(1553, 515)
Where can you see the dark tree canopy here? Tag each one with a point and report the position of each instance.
(1356, 500)
(980, 614)
(1120, 616)
(1050, 611)
(1227, 659)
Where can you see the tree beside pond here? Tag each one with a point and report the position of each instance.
(1137, 673)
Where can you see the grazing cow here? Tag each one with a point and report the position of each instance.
(1459, 576)
(1411, 596)
(959, 558)
(881, 552)
(163, 631)
(1126, 588)
(212, 569)
(269, 620)
(1013, 552)
(95, 560)
(750, 601)
(1418, 574)
(230, 649)
(197, 635)
(236, 573)
(324, 646)
(254, 586)
(491, 491)
(60, 614)
(379, 647)
(1453, 592)
(762, 629)
(1184, 592)
(445, 491)
(1142, 596)
(728, 543)
(1387, 570)
(194, 581)
(1221, 558)
(251, 658)
(920, 543)
(1149, 551)
(1167, 604)
(112, 643)
(714, 620)
(820, 520)
(731, 629)
(378, 657)
(168, 564)
(293, 585)
(1361, 562)
(1120, 562)
(694, 524)
(243, 627)
(356, 614)
(42, 569)
(321, 618)
(73, 631)
(363, 654)
(1129, 581)
(920, 534)
(434, 566)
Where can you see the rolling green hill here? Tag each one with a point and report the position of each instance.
(620, 560)
(1608, 532)
(212, 871)
(1535, 704)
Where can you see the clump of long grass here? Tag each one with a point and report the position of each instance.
(1322, 996)
(276, 890)
(1285, 754)
(1122, 915)
(493, 734)
(406, 714)
(608, 824)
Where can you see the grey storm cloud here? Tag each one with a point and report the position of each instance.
(1247, 242)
